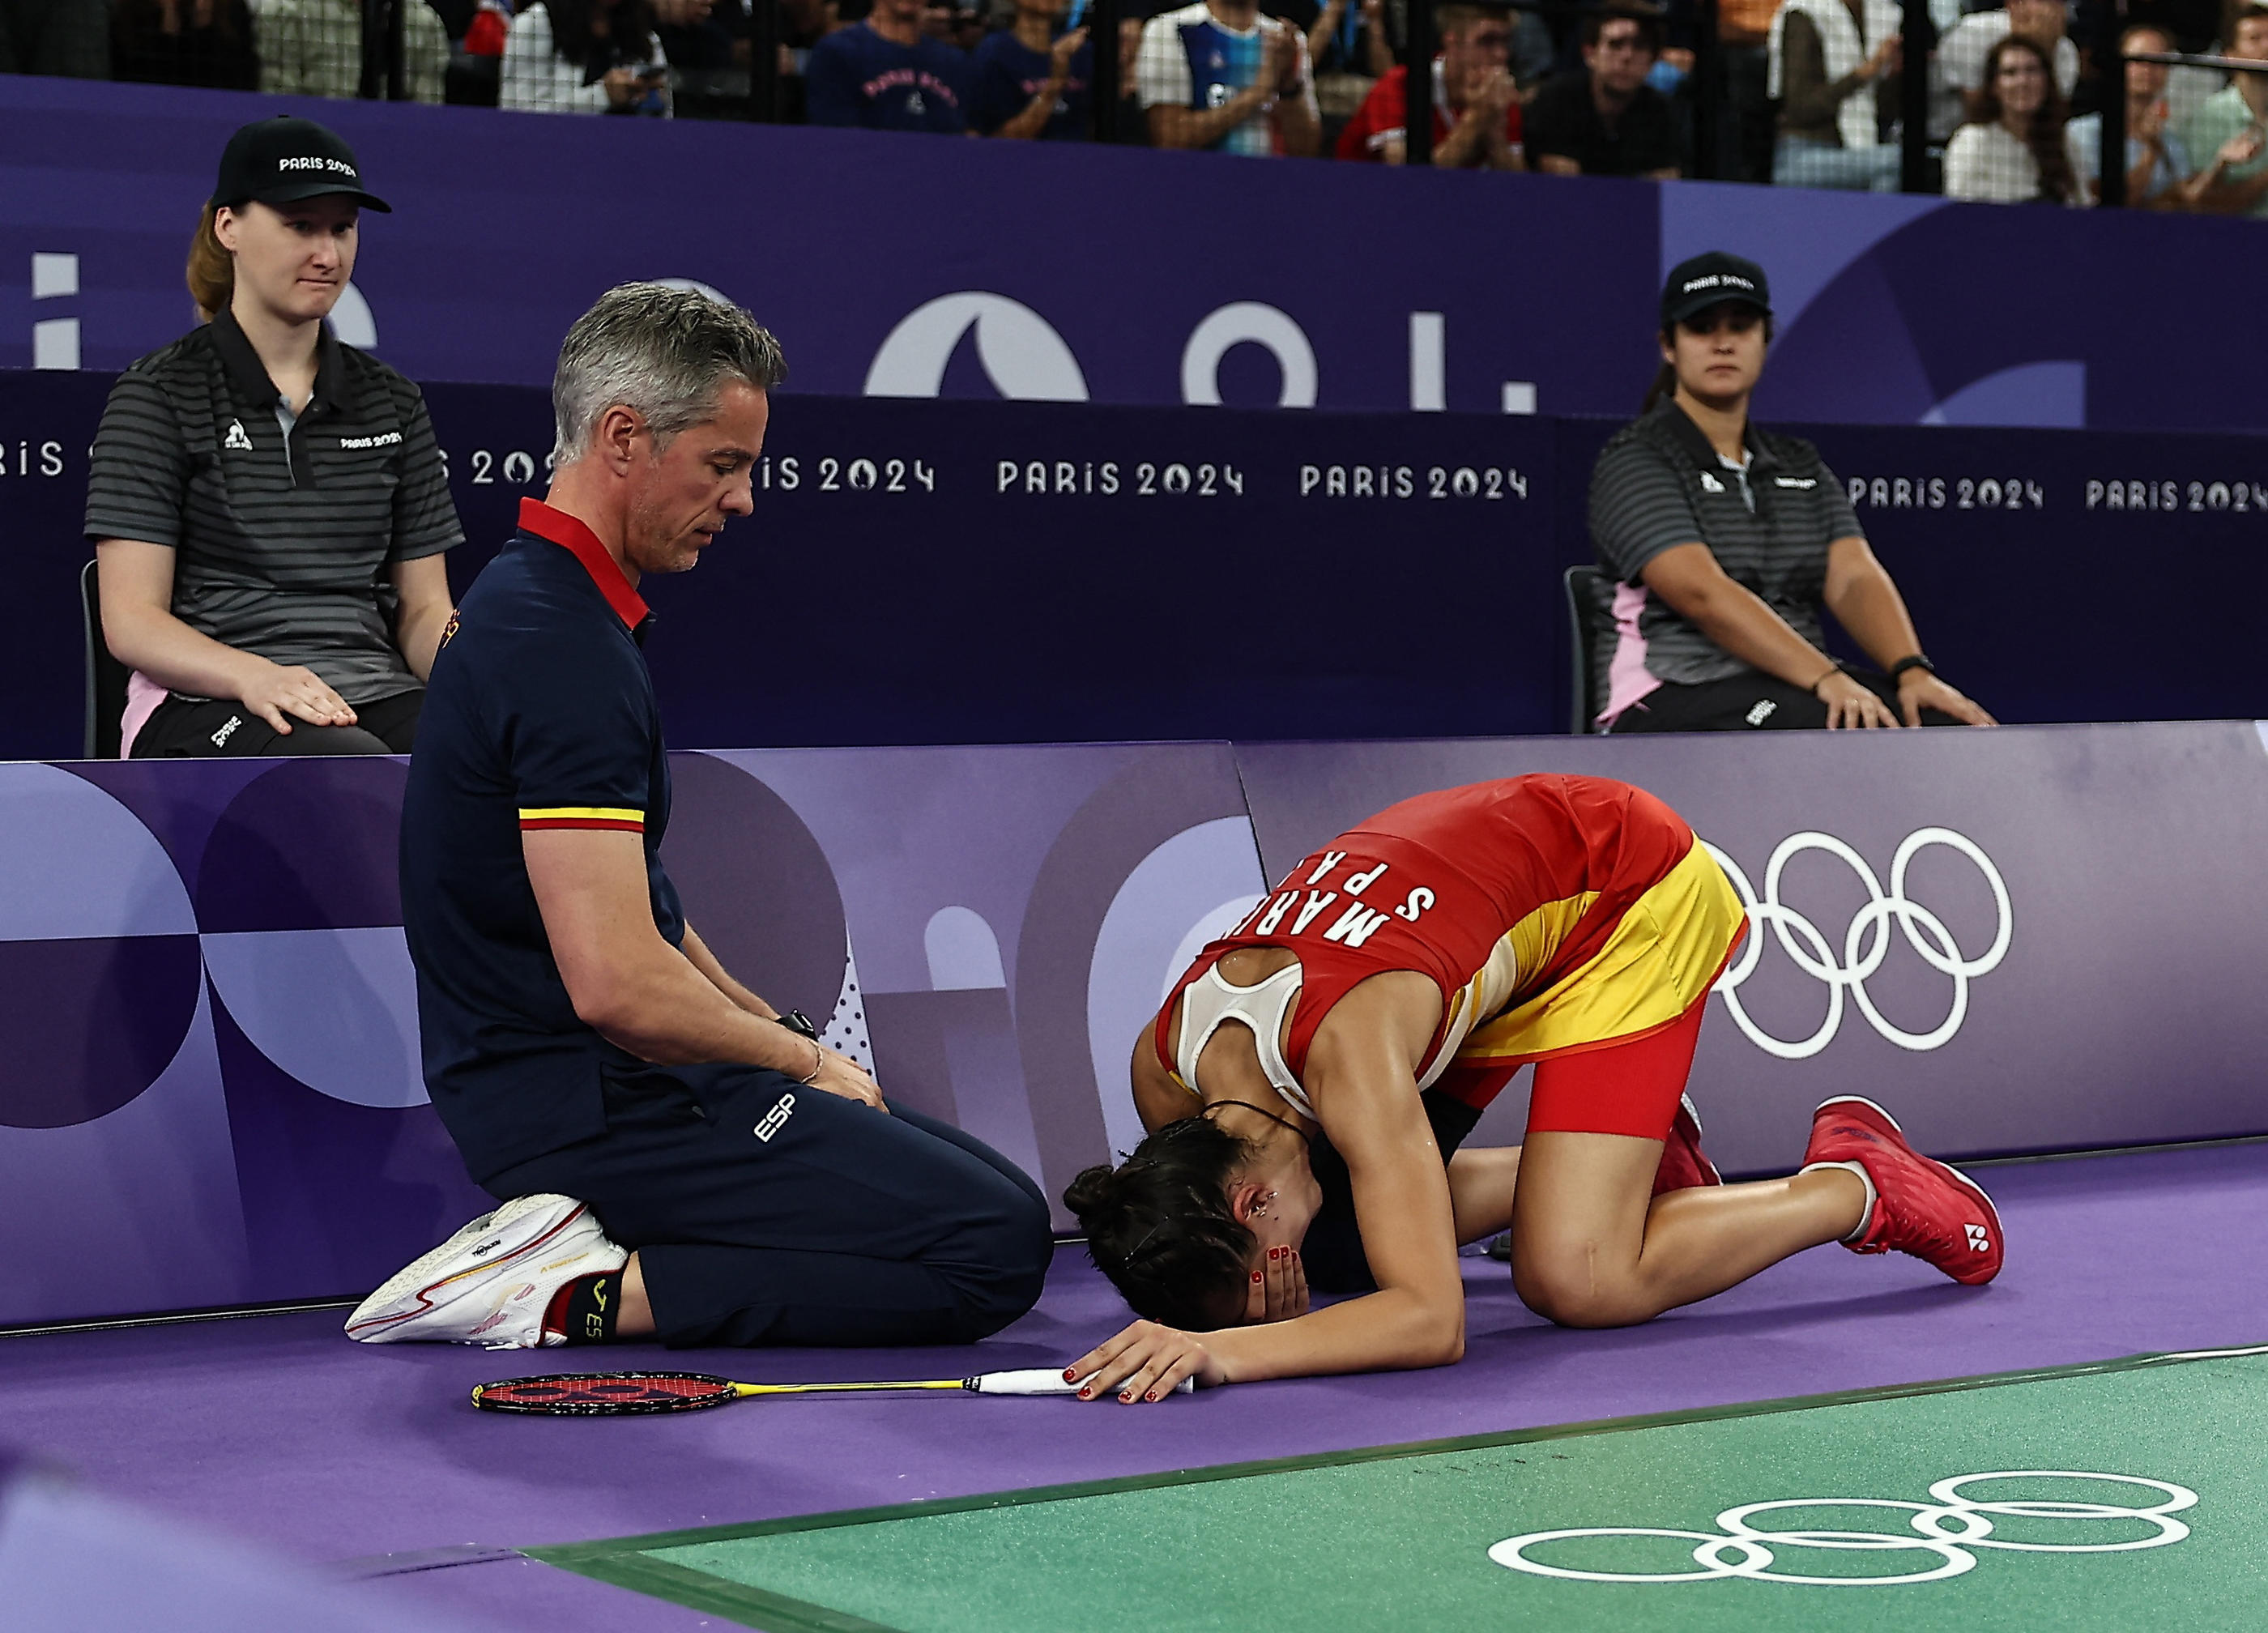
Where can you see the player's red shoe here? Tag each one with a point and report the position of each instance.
(1683, 1166)
(1922, 1206)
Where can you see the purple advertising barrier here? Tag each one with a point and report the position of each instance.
(2044, 939)
(2041, 938)
(989, 572)
(895, 265)
(214, 1094)
(921, 572)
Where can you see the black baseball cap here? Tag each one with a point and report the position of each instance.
(1697, 284)
(283, 159)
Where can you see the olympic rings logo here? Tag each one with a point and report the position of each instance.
(1865, 944)
(1948, 1528)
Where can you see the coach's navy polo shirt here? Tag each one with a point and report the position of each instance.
(540, 714)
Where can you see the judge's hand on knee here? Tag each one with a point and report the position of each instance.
(1850, 704)
(839, 1074)
(280, 693)
(1918, 689)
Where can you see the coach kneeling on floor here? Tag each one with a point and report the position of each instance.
(673, 1158)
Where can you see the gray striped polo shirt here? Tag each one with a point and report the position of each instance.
(281, 543)
(1659, 484)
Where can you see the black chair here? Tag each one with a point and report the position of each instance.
(105, 676)
(1590, 644)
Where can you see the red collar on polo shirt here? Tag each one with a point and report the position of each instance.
(579, 540)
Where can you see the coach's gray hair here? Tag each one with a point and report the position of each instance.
(665, 353)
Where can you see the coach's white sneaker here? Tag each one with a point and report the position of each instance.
(491, 1282)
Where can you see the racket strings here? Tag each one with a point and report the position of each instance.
(606, 1391)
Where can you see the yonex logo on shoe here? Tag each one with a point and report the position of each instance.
(776, 1119)
(1979, 1237)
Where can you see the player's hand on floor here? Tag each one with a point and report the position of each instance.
(1146, 1362)
(838, 1074)
(1279, 1290)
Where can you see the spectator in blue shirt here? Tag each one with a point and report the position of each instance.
(2158, 168)
(1031, 82)
(1218, 74)
(886, 74)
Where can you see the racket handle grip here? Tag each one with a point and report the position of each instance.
(1037, 1380)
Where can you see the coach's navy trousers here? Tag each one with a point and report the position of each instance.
(766, 1212)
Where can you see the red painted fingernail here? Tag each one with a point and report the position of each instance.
(1084, 1394)
(1071, 1374)
(1256, 1276)
(1126, 1397)
(1150, 1396)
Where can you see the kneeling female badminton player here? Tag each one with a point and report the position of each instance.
(1310, 1072)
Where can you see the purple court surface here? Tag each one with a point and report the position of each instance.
(276, 1430)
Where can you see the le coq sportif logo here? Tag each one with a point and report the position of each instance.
(1845, 967)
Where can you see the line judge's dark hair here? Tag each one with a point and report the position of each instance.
(1159, 1225)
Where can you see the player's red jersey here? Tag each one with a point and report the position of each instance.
(1555, 914)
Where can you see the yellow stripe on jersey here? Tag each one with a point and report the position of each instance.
(1659, 959)
(583, 816)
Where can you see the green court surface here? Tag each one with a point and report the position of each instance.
(1919, 1509)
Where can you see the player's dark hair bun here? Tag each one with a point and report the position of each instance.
(1160, 1228)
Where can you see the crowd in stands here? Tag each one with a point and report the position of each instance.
(1809, 91)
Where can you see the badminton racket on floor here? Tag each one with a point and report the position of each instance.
(614, 1395)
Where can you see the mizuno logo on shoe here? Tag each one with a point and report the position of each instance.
(1979, 1237)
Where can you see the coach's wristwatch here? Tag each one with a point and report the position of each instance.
(1913, 660)
(796, 1021)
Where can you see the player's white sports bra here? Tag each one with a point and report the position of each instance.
(1209, 1001)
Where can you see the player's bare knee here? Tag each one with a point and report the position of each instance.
(1568, 1289)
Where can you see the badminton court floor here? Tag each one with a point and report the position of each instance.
(2105, 1497)
(1201, 1511)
